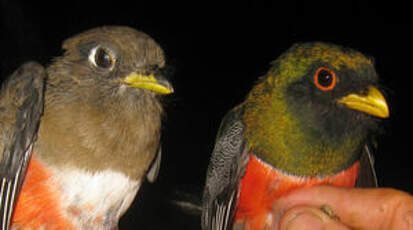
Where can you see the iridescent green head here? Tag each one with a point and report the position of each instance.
(313, 111)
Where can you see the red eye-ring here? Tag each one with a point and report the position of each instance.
(325, 79)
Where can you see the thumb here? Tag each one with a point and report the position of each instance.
(309, 218)
(377, 208)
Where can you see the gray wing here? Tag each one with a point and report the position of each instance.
(21, 105)
(225, 170)
(367, 176)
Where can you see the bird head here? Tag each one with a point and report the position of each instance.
(112, 60)
(313, 111)
(102, 102)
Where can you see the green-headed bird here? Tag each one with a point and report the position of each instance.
(307, 122)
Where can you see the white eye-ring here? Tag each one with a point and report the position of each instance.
(102, 57)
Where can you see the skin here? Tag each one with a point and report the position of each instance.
(363, 209)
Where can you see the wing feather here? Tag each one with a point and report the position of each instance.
(226, 168)
(21, 105)
(367, 176)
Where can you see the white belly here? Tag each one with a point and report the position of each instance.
(95, 201)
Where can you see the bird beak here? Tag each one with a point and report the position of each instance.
(149, 82)
(373, 103)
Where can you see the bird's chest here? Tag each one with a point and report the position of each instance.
(72, 199)
(81, 136)
(262, 185)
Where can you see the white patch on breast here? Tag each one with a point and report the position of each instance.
(95, 200)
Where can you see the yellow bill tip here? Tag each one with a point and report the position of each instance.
(148, 82)
(373, 103)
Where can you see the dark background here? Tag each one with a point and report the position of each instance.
(217, 51)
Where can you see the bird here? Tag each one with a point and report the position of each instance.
(80, 135)
(311, 119)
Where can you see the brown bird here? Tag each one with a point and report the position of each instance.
(97, 138)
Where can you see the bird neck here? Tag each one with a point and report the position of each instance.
(283, 140)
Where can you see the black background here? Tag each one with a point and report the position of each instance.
(217, 51)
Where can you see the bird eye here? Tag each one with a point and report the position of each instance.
(325, 79)
(102, 58)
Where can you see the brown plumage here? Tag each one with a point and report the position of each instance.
(102, 119)
(109, 126)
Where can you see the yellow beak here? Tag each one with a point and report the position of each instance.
(148, 82)
(373, 103)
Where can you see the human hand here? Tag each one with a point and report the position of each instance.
(354, 208)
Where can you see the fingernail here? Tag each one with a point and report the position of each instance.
(304, 221)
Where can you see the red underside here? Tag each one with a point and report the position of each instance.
(38, 204)
(262, 185)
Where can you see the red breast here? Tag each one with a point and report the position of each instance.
(70, 198)
(38, 203)
(262, 185)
